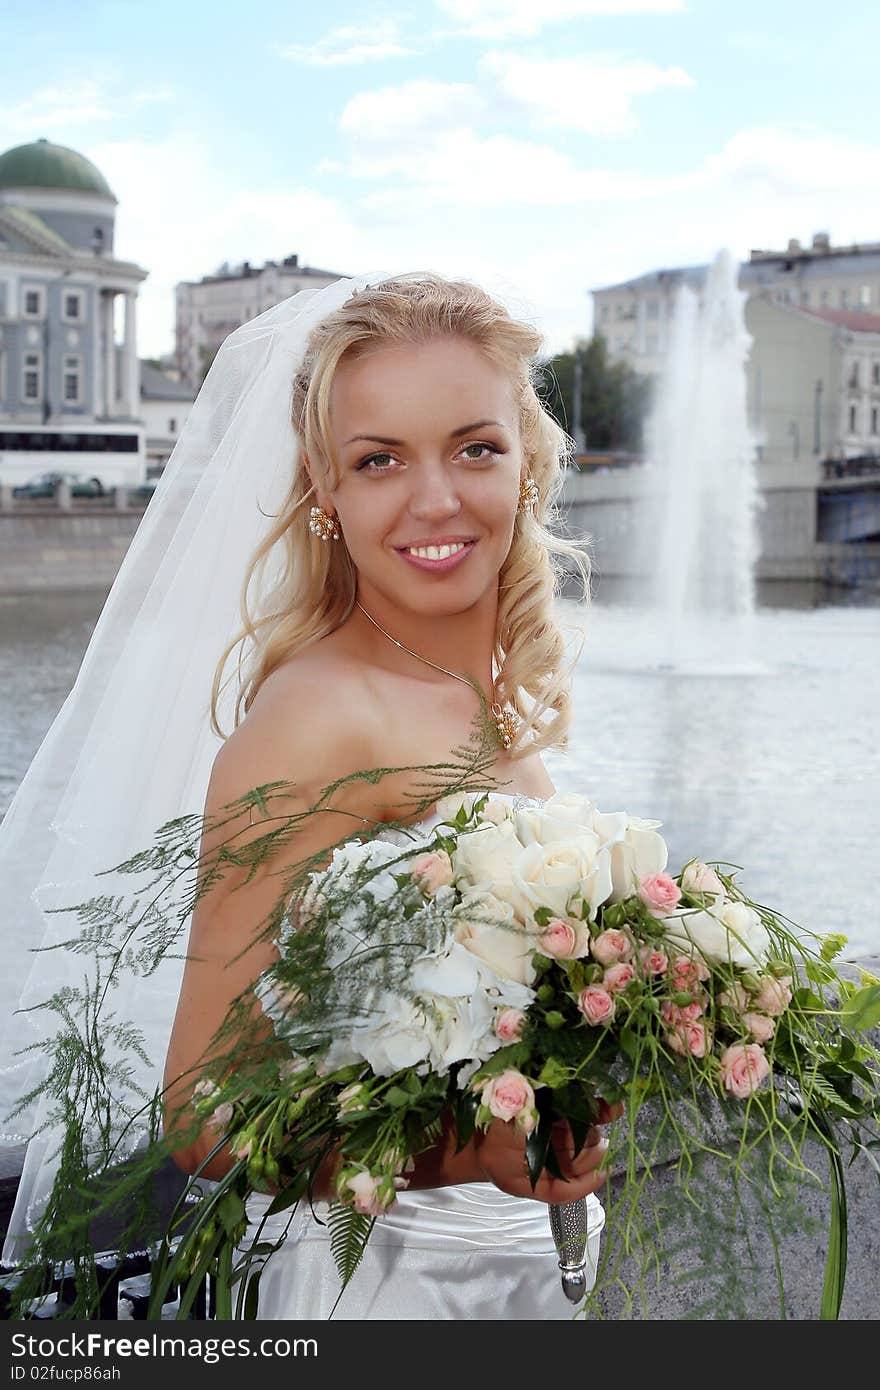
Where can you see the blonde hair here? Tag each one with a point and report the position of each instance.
(314, 583)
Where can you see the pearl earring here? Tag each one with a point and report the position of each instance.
(529, 495)
(324, 524)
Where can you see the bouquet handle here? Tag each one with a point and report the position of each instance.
(569, 1226)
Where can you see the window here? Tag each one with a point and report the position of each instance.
(865, 297)
(653, 309)
(844, 299)
(875, 372)
(619, 310)
(2, 375)
(875, 420)
(172, 426)
(853, 417)
(805, 298)
(823, 299)
(854, 377)
(32, 376)
(4, 299)
(604, 313)
(32, 306)
(18, 441)
(73, 306)
(72, 380)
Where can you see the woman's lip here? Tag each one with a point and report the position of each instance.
(422, 563)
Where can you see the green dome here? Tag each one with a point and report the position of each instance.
(43, 165)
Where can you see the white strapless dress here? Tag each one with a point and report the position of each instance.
(470, 1251)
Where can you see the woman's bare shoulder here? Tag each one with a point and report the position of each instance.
(310, 723)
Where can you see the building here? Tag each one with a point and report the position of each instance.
(634, 317)
(209, 309)
(69, 394)
(813, 384)
(165, 405)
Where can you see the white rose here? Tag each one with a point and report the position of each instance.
(396, 1036)
(640, 851)
(462, 1029)
(482, 857)
(486, 927)
(728, 932)
(448, 807)
(556, 875)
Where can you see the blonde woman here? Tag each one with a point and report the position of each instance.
(400, 508)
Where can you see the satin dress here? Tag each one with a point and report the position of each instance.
(469, 1251)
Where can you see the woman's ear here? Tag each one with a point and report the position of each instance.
(320, 495)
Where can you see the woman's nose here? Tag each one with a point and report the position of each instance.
(433, 494)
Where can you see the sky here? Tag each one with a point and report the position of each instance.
(540, 147)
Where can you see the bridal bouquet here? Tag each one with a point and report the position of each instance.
(532, 964)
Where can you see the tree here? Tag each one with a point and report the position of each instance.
(614, 398)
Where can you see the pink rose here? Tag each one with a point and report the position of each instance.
(773, 996)
(694, 1039)
(760, 1026)
(596, 1004)
(654, 961)
(510, 1097)
(611, 946)
(674, 1014)
(564, 940)
(222, 1116)
(686, 972)
(743, 1068)
(509, 1024)
(660, 893)
(697, 877)
(617, 977)
(432, 871)
(366, 1194)
(736, 997)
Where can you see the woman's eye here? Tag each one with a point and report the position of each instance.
(374, 458)
(488, 451)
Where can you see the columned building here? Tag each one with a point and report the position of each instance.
(69, 370)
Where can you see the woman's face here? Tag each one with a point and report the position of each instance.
(427, 437)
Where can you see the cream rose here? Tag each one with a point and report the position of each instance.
(730, 932)
(557, 876)
(760, 1026)
(635, 848)
(698, 877)
(432, 871)
(482, 857)
(486, 926)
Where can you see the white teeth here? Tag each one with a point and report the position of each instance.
(436, 552)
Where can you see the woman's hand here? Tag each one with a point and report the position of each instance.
(501, 1156)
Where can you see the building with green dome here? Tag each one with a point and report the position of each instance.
(69, 391)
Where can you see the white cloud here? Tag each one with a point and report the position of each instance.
(522, 19)
(48, 111)
(349, 44)
(592, 93)
(151, 95)
(409, 113)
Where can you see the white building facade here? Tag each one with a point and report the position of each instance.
(208, 310)
(635, 316)
(69, 370)
(165, 406)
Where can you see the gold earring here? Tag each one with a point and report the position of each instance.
(528, 495)
(324, 524)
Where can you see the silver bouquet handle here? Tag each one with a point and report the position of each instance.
(568, 1223)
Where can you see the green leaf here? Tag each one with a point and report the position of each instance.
(629, 1043)
(252, 1297)
(288, 1195)
(230, 1212)
(537, 1144)
(397, 1097)
(466, 1107)
(832, 945)
(862, 1010)
(349, 1233)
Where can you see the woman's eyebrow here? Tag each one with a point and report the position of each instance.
(453, 434)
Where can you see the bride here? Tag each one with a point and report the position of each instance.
(406, 566)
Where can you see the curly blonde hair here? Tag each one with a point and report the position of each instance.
(313, 585)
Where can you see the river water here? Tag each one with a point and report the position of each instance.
(776, 769)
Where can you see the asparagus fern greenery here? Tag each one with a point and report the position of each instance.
(512, 965)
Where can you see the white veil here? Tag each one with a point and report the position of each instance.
(132, 746)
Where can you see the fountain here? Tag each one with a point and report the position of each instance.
(698, 523)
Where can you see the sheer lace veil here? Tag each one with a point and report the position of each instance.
(132, 747)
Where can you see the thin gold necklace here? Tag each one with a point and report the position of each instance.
(506, 721)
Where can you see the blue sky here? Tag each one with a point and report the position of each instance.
(541, 147)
